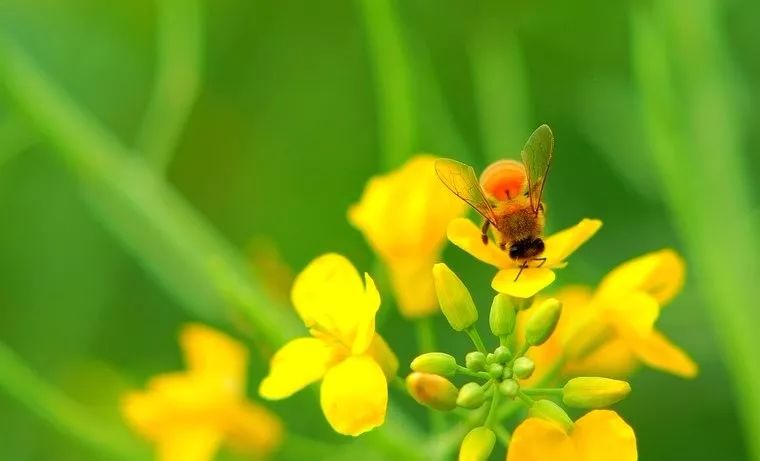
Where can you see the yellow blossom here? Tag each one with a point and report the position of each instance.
(600, 435)
(467, 236)
(189, 415)
(403, 215)
(353, 362)
(609, 332)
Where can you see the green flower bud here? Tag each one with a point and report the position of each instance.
(432, 390)
(509, 387)
(454, 298)
(477, 444)
(496, 370)
(523, 367)
(550, 411)
(507, 373)
(475, 361)
(543, 321)
(436, 363)
(594, 392)
(522, 304)
(502, 354)
(503, 315)
(490, 358)
(471, 396)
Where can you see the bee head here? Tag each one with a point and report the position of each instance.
(526, 248)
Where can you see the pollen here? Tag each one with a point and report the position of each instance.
(504, 180)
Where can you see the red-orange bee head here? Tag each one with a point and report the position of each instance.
(504, 180)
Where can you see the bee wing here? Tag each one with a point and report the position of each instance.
(461, 180)
(537, 157)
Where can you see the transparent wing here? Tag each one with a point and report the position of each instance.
(461, 180)
(537, 157)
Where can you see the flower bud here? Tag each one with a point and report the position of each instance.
(477, 444)
(490, 358)
(502, 354)
(507, 373)
(503, 315)
(550, 411)
(495, 370)
(543, 321)
(432, 390)
(436, 363)
(509, 387)
(523, 367)
(594, 392)
(455, 300)
(475, 361)
(471, 396)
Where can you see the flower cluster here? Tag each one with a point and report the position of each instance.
(580, 338)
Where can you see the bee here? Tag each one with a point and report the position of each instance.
(508, 196)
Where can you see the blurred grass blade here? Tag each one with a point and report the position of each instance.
(389, 53)
(501, 88)
(178, 77)
(163, 231)
(15, 137)
(681, 67)
(28, 388)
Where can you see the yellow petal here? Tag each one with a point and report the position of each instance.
(354, 396)
(603, 435)
(252, 429)
(634, 314)
(467, 236)
(658, 352)
(417, 204)
(329, 296)
(613, 359)
(531, 281)
(194, 443)
(564, 243)
(541, 440)
(661, 274)
(413, 285)
(384, 356)
(297, 364)
(215, 356)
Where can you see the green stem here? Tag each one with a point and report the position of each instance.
(526, 398)
(491, 419)
(177, 81)
(393, 78)
(425, 334)
(472, 332)
(502, 434)
(474, 374)
(27, 387)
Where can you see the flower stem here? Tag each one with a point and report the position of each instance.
(492, 419)
(474, 374)
(526, 399)
(472, 332)
(425, 334)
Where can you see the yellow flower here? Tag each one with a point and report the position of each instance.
(611, 331)
(344, 351)
(467, 236)
(403, 215)
(188, 415)
(600, 435)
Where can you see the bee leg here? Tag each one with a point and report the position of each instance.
(522, 266)
(543, 260)
(484, 231)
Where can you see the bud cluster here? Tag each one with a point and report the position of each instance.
(502, 372)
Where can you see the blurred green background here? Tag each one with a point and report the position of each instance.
(267, 117)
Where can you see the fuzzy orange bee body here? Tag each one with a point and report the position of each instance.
(508, 195)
